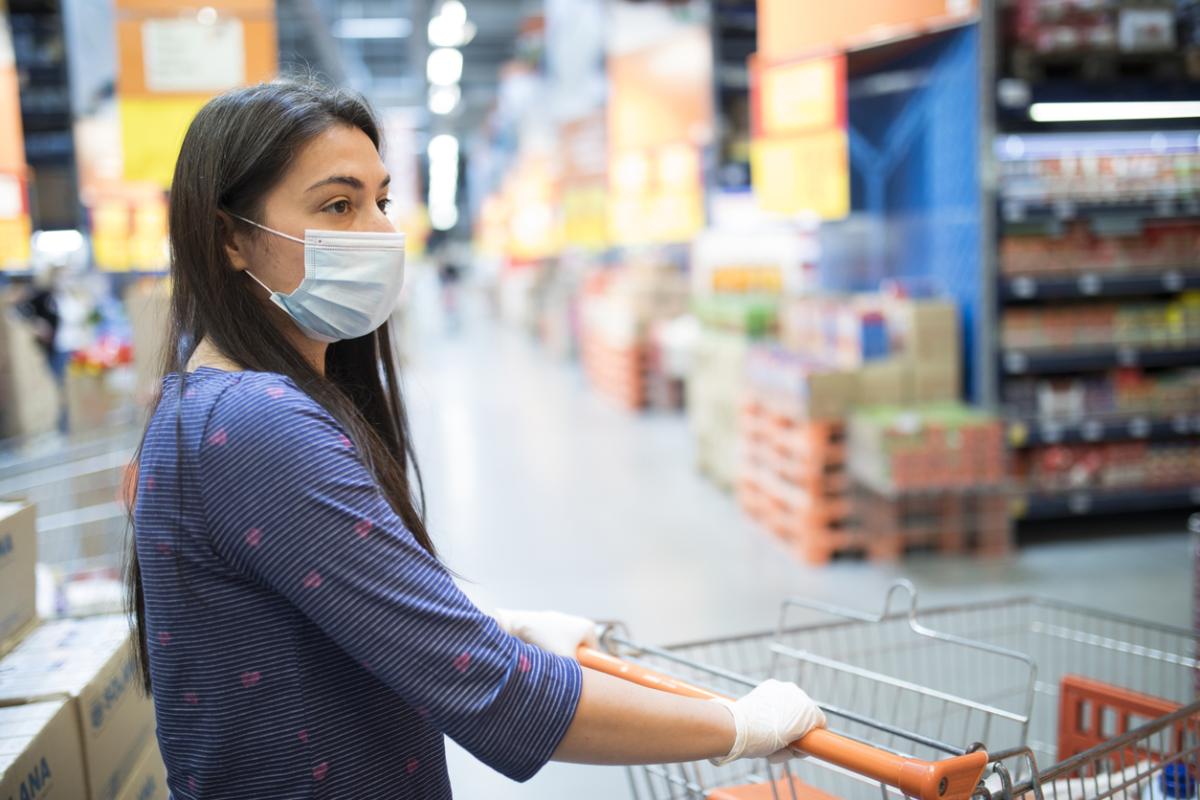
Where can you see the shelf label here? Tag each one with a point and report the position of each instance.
(1195, 494)
(1090, 284)
(1064, 209)
(1018, 434)
(1079, 503)
(1016, 362)
(1179, 423)
(1092, 430)
(1127, 356)
(1051, 432)
(1139, 427)
(1024, 287)
(1014, 211)
(1173, 281)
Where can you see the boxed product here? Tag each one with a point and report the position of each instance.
(944, 446)
(924, 329)
(29, 396)
(18, 558)
(886, 383)
(40, 756)
(149, 778)
(90, 663)
(934, 381)
(797, 386)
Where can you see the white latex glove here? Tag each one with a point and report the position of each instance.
(770, 718)
(550, 630)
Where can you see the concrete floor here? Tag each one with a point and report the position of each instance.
(542, 495)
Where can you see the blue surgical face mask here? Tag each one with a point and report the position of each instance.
(351, 283)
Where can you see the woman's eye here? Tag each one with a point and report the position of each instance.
(385, 204)
(340, 207)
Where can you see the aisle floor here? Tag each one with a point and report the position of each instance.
(543, 495)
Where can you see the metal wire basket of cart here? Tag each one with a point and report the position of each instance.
(1016, 698)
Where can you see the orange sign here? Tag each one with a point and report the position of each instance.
(791, 28)
(802, 96)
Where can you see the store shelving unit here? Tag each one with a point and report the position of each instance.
(1083, 219)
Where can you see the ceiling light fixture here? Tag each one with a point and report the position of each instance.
(444, 99)
(1105, 112)
(444, 66)
(372, 28)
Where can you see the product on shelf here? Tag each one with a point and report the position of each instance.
(1119, 465)
(1153, 324)
(929, 448)
(1102, 177)
(715, 379)
(1121, 392)
(1079, 249)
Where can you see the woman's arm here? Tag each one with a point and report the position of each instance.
(618, 722)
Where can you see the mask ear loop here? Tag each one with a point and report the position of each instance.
(268, 230)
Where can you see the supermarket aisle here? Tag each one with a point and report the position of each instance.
(541, 495)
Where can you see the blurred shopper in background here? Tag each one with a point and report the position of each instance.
(295, 625)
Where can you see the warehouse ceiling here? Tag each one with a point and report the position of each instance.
(380, 48)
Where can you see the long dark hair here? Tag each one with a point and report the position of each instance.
(237, 148)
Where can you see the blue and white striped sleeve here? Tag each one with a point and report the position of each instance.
(289, 504)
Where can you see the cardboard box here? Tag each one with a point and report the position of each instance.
(149, 778)
(885, 383)
(934, 382)
(148, 306)
(924, 329)
(94, 397)
(89, 661)
(40, 755)
(18, 559)
(29, 396)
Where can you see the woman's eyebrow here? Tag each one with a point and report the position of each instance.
(346, 180)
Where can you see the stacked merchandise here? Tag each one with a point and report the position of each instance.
(29, 396)
(559, 312)
(619, 309)
(73, 722)
(1149, 324)
(1105, 39)
(932, 477)
(1099, 312)
(729, 326)
(99, 384)
(839, 353)
(1112, 466)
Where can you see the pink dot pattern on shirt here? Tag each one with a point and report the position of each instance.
(276, 392)
(320, 771)
(363, 527)
(412, 766)
(345, 440)
(254, 537)
(251, 678)
(303, 735)
(191, 783)
(150, 484)
(462, 662)
(523, 664)
(191, 698)
(164, 638)
(313, 580)
(163, 549)
(219, 438)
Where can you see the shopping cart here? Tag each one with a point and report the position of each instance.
(963, 701)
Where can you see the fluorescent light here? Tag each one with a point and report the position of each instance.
(444, 146)
(444, 99)
(443, 32)
(57, 243)
(372, 28)
(443, 218)
(444, 66)
(454, 11)
(1101, 112)
(206, 15)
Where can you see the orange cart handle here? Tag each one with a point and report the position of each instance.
(951, 779)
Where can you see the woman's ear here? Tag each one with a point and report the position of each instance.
(234, 242)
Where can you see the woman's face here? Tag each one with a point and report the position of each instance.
(337, 182)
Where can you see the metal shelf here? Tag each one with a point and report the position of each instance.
(1083, 502)
(1039, 433)
(1050, 362)
(1016, 212)
(1031, 288)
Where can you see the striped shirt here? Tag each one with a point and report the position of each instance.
(302, 643)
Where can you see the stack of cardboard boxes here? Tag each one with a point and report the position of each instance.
(619, 308)
(29, 396)
(74, 724)
(839, 354)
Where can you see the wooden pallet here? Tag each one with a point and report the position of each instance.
(950, 522)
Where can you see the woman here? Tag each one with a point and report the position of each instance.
(298, 633)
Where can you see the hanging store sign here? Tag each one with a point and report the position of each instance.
(800, 153)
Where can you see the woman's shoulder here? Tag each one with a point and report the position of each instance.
(246, 400)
